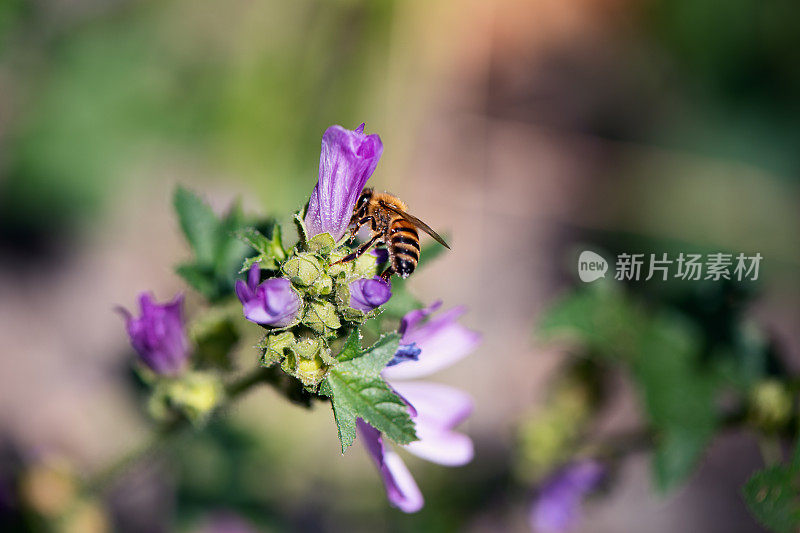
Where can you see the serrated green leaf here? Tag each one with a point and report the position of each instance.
(198, 223)
(352, 347)
(358, 391)
(772, 495)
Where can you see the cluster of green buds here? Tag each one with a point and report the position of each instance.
(309, 299)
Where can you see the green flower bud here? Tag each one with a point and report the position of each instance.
(304, 269)
(770, 405)
(194, 394)
(323, 286)
(275, 347)
(322, 243)
(321, 316)
(308, 348)
(365, 266)
(311, 371)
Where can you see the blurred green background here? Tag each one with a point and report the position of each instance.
(525, 129)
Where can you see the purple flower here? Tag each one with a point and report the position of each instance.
(436, 409)
(442, 341)
(158, 335)
(369, 294)
(272, 303)
(347, 160)
(226, 522)
(557, 507)
(401, 489)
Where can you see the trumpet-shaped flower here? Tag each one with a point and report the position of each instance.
(558, 504)
(272, 303)
(426, 347)
(158, 335)
(347, 160)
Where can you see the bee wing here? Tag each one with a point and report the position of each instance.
(418, 223)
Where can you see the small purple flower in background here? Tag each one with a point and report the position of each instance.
(558, 505)
(347, 160)
(227, 522)
(436, 409)
(369, 294)
(158, 335)
(272, 302)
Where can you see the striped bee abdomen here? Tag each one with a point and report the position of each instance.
(403, 243)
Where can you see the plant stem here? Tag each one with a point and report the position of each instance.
(169, 430)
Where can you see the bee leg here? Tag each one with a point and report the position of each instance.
(387, 274)
(360, 251)
(358, 223)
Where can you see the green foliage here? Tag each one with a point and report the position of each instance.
(358, 391)
(773, 495)
(678, 396)
(214, 336)
(270, 250)
(662, 354)
(217, 251)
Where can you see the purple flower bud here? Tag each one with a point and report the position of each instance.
(158, 335)
(369, 294)
(381, 255)
(271, 303)
(557, 507)
(347, 160)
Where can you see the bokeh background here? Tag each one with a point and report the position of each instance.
(524, 129)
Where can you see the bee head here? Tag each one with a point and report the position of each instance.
(363, 200)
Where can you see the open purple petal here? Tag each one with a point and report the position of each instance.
(401, 489)
(440, 405)
(369, 294)
(347, 160)
(439, 409)
(442, 339)
(447, 448)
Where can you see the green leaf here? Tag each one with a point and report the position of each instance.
(678, 398)
(270, 250)
(663, 355)
(358, 391)
(773, 495)
(199, 278)
(218, 254)
(599, 317)
(198, 222)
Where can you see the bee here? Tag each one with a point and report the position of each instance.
(392, 227)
